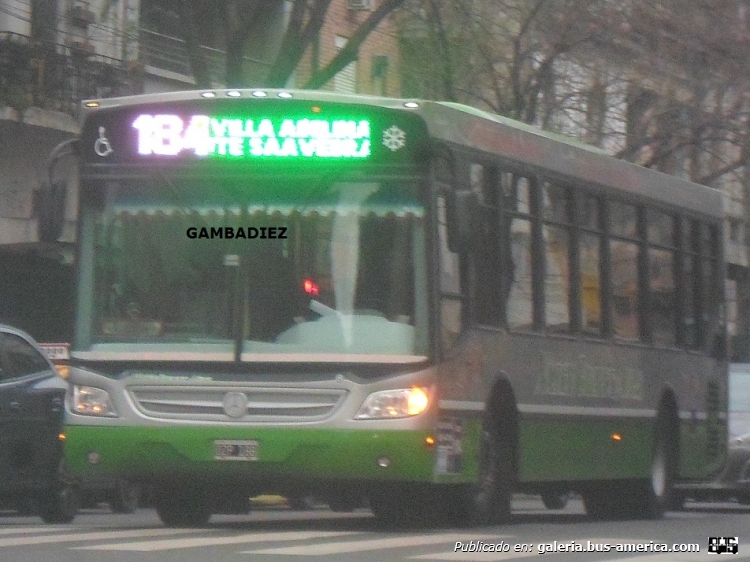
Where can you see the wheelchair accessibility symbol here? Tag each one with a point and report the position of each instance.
(101, 145)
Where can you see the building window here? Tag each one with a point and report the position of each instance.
(345, 81)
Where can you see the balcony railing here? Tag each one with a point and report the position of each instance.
(57, 77)
(169, 53)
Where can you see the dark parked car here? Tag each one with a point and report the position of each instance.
(734, 480)
(121, 495)
(33, 476)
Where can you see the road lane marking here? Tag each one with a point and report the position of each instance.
(94, 536)
(193, 542)
(29, 530)
(375, 544)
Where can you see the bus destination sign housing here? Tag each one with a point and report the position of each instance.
(251, 131)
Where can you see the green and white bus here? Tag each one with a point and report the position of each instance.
(413, 302)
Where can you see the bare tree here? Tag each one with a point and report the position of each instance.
(661, 83)
(240, 21)
(665, 83)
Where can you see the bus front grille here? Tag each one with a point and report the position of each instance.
(236, 404)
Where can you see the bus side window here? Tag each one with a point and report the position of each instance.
(691, 286)
(590, 241)
(517, 286)
(715, 306)
(451, 302)
(486, 257)
(624, 251)
(662, 303)
(557, 234)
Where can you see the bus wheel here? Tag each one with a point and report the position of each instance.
(182, 507)
(641, 499)
(554, 499)
(604, 501)
(657, 494)
(406, 505)
(125, 496)
(301, 502)
(487, 501)
(344, 503)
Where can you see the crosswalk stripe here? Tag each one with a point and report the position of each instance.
(29, 530)
(376, 544)
(93, 536)
(680, 557)
(534, 551)
(476, 556)
(151, 546)
(500, 556)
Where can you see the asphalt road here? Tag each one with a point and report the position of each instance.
(277, 534)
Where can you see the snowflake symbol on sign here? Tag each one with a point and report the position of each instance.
(394, 138)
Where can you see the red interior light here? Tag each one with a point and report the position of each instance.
(310, 287)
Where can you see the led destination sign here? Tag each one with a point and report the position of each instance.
(272, 135)
(201, 135)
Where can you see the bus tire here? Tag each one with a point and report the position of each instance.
(182, 507)
(605, 501)
(409, 505)
(301, 502)
(488, 500)
(494, 487)
(553, 499)
(343, 503)
(642, 498)
(125, 496)
(657, 494)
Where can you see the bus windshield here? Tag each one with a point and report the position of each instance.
(267, 269)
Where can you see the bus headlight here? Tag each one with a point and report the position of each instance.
(389, 404)
(92, 401)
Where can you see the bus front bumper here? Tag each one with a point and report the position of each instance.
(142, 453)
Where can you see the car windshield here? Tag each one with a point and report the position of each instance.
(262, 270)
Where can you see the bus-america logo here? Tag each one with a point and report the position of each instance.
(171, 135)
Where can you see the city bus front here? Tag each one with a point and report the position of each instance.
(252, 311)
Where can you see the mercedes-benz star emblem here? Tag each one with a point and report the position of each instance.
(235, 404)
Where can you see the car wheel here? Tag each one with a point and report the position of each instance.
(27, 505)
(59, 503)
(60, 507)
(125, 497)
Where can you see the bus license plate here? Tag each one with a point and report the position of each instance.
(236, 450)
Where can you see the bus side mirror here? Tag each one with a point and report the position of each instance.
(50, 210)
(462, 217)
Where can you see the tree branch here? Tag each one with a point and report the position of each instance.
(350, 51)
